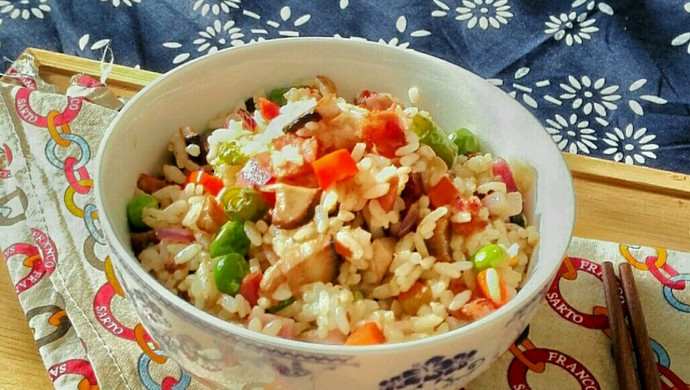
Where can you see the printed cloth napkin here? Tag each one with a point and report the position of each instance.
(89, 337)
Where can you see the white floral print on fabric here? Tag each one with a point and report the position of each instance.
(24, 9)
(518, 88)
(630, 146)
(286, 18)
(214, 37)
(634, 104)
(597, 97)
(571, 135)
(215, 6)
(401, 27)
(84, 42)
(574, 27)
(220, 35)
(343, 4)
(683, 38)
(482, 13)
(590, 95)
(590, 5)
(128, 3)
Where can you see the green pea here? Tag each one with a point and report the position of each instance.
(228, 273)
(244, 204)
(281, 305)
(488, 256)
(230, 153)
(231, 238)
(277, 96)
(430, 134)
(465, 140)
(135, 209)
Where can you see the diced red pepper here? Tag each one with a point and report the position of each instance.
(268, 109)
(501, 170)
(383, 130)
(387, 201)
(249, 288)
(256, 172)
(334, 167)
(443, 193)
(211, 184)
(309, 150)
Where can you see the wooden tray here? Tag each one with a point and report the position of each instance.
(615, 202)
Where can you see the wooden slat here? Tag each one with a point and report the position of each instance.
(21, 367)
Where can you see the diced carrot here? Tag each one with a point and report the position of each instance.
(268, 109)
(415, 289)
(491, 284)
(383, 130)
(210, 183)
(367, 334)
(443, 193)
(387, 201)
(334, 167)
(341, 249)
(474, 310)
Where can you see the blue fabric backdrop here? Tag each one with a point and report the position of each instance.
(607, 79)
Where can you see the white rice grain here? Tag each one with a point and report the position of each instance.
(253, 233)
(428, 224)
(187, 253)
(173, 174)
(358, 151)
(459, 300)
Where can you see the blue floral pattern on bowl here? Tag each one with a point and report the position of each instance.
(439, 372)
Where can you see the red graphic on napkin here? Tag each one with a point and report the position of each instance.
(78, 367)
(41, 259)
(517, 371)
(5, 161)
(27, 113)
(102, 310)
(569, 270)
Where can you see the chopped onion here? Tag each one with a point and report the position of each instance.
(503, 204)
(180, 235)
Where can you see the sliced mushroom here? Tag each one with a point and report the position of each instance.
(302, 264)
(439, 243)
(326, 86)
(384, 249)
(192, 138)
(294, 204)
(299, 122)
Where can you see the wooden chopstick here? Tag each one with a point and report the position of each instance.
(622, 344)
(649, 373)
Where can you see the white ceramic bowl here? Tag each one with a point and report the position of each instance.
(224, 355)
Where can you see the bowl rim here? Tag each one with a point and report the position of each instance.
(208, 320)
